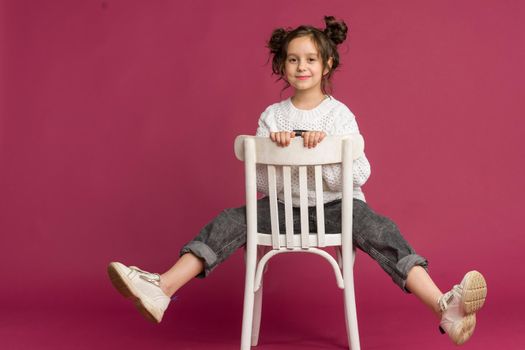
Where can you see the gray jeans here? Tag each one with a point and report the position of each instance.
(374, 234)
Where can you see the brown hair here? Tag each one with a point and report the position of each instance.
(325, 41)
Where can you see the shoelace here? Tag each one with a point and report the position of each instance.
(446, 298)
(153, 278)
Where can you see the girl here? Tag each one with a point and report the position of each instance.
(306, 58)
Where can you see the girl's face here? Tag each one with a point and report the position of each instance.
(303, 68)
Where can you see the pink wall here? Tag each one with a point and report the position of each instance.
(102, 102)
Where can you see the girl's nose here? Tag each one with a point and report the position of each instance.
(301, 65)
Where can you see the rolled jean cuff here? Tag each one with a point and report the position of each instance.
(203, 251)
(404, 265)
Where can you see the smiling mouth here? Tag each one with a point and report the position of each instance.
(303, 77)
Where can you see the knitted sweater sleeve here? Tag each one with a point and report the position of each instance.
(345, 123)
(266, 125)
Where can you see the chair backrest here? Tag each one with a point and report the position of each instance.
(332, 150)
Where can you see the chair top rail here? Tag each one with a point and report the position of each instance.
(329, 151)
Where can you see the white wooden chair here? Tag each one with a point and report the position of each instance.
(260, 247)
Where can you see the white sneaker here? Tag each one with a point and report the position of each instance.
(142, 287)
(459, 307)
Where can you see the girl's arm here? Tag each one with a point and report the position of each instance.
(345, 123)
(265, 129)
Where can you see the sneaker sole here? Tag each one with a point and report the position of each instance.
(474, 292)
(465, 329)
(124, 286)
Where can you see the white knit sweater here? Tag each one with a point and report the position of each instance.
(332, 117)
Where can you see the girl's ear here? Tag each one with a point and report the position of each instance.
(329, 64)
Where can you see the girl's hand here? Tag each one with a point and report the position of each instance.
(312, 138)
(282, 138)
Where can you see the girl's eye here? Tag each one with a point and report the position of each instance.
(291, 60)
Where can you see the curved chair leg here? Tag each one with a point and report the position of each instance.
(339, 257)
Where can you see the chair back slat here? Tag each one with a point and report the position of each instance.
(274, 212)
(288, 205)
(319, 204)
(303, 203)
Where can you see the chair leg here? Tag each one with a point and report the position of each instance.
(350, 307)
(257, 311)
(351, 322)
(247, 318)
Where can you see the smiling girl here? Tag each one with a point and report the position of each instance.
(306, 58)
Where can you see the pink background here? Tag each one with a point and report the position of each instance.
(117, 121)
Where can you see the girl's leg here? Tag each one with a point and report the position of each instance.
(218, 240)
(185, 269)
(379, 237)
(421, 285)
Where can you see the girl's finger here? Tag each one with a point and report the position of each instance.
(278, 138)
(287, 138)
(319, 137)
(311, 140)
(283, 139)
(315, 139)
(272, 136)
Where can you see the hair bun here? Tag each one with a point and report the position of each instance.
(335, 30)
(275, 43)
